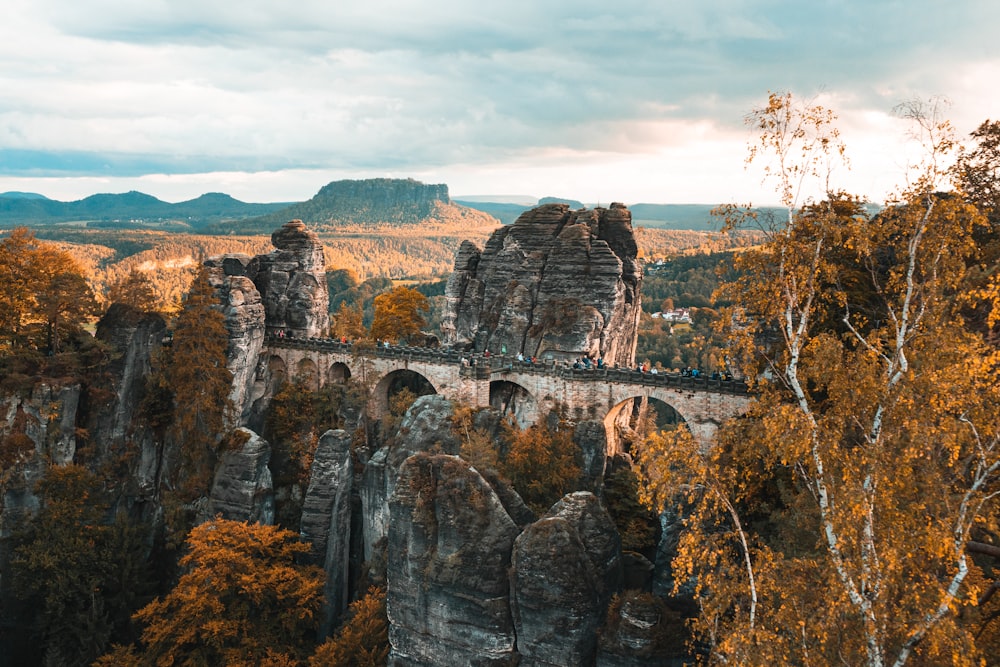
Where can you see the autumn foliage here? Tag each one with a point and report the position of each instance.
(541, 463)
(399, 315)
(242, 600)
(44, 294)
(832, 525)
(363, 640)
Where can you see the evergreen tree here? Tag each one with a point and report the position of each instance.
(200, 382)
(80, 577)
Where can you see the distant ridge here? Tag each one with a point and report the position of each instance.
(572, 203)
(370, 203)
(128, 210)
(22, 195)
(696, 217)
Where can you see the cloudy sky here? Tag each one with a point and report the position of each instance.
(630, 100)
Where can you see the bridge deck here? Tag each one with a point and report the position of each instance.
(495, 366)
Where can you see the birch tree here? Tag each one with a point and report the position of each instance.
(842, 508)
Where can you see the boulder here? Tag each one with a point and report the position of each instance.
(242, 489)
(642, 632)
(326, 519)
(449, 549)
(565, 568)
(556, 284)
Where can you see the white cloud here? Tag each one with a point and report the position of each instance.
(116, 88)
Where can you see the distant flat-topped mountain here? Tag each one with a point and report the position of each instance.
(131, 209)
(369, 203)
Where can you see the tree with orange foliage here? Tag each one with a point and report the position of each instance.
(541, 464)
(832, 525)
(399, 314)
(136, 290)
(242, 600)
(363, 641)
(44, 295)
(349, 322)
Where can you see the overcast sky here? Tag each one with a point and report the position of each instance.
(630, 100)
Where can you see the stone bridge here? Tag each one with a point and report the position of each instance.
(528, 390)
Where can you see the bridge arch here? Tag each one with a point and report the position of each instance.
(514, 399)
(394, 382)
(631, 417)
(702, 411)
(338, 373)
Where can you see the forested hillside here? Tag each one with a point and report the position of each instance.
(130, 210)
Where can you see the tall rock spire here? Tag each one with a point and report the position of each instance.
(555, 284)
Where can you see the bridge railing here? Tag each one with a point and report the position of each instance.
(482, 367)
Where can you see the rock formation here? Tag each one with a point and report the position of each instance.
(376, 202)
(565, 568)
(242, 490)
(643, 632)
(426, 424)
(591, 437)
(37, 430)
(555, 284)
(47, 418)
(284, 290)
(292, 282)
(135, 337)
(326, 519)
(244, 312)
(449, 547)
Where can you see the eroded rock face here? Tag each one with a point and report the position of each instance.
(565, 568)
(590, 436)
(284, 291)
(426, 424)
(243, 309)
(555, 284)
(449, 547)
(292, 281)
(47, 417)
(243, 490)
(135, 337)
(665, 583)
(326, 519)
(642, 632)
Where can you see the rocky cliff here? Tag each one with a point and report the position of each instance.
(555, 284)
(283, 292)
(449, 547)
